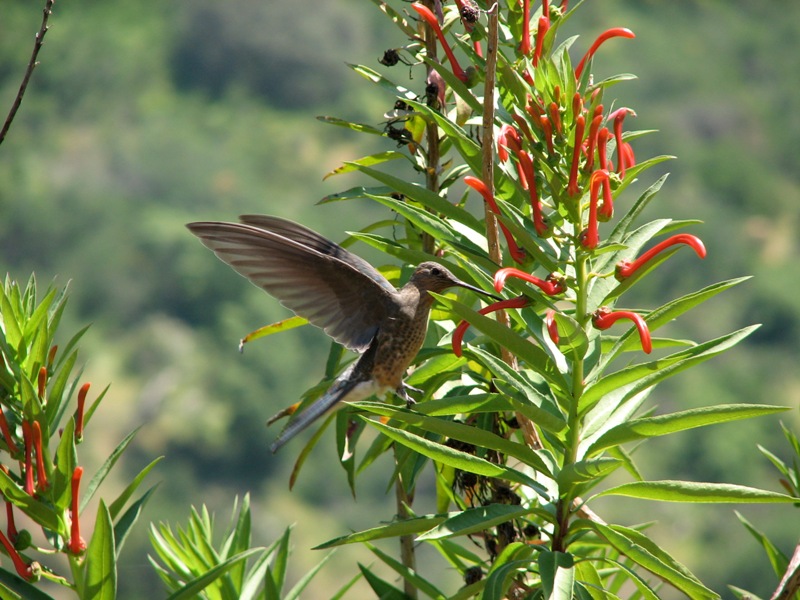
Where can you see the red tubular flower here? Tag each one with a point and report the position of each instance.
(11, 527)
(508, 138)
(41, 472)
(551, 286)
(534, 108)
(42, 382)
(577, 106)
(523, 126)
(604, 317)
(564, 6)
(541, 31)
(517, 253)
(606, 35)
(552, 326)
(591, 141)
(618, 116)
(605, 210)
(458, 334)
(27, 438)
(51, 355)
(79, 412)
(23, 569)
(627, 156)
(525, 45)
(12, 447)
(555, 116)
(580, 125)
(626, 268)
(590, 237)
(548, 132)
(602, 142)
(526, 166)
(76, 543)
(433, 22)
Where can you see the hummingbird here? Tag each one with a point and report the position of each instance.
(340, 293)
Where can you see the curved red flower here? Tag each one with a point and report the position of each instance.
(428, 16)
(606, 35)
(517, 253)
(551, 286)
(604, 317)
(626, 268)
(458, 333)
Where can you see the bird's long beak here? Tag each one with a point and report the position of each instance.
(478, 290)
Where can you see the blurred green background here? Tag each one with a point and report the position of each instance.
(144, 115)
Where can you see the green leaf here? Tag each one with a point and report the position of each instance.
(383, 589)
(586, 470)
(645, 375)
(359, 127)
(557, 571)
(105, 468)
(301, 584)
(641, 550)
(367, 161)
(273, 328)
(40, 512)
(534, 356)
(473, 520)
(101, 565)
(116, 506)
(418, 582)
(513, 558)
(647, 427)
(395, 529)
(129, 518)
(455, 458)
(695, 492)
(777, 559)
(459, 431)
(191, 590)
(12, 587)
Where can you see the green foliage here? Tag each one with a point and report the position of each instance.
(524, 468)
(192, 566)
(37, 386)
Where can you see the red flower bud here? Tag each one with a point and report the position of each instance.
(604, 317)
(555, 116)
(428, 16)
(541, 30)
(80, 411)
(526, 166)
(591, 141)
(517, 253)
(606, 35)
(42, 381)
(552, 326)
(525, 44)
(508, 138)
(51, 356)
(577, 105)
(626, 268)
(618, 116)
(76, 543)
(590, 238)
(523, 126)
(548, 132)
(22, 568)
(551, 286)
(458, 333)
(27, 438)
(580, 125)
(602, 142)
(41, 472)
(12, 447)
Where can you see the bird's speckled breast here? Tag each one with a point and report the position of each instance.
(399, 340)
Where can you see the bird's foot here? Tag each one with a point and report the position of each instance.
(402, 391)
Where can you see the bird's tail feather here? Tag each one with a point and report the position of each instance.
(341, 388)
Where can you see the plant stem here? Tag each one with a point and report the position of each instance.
(407, 554)
(565, 502)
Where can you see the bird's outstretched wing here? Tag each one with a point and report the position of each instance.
(310, 275)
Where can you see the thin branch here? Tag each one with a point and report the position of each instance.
(37, 45)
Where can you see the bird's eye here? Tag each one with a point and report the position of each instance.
(436, 271)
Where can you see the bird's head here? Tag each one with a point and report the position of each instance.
(433, 277)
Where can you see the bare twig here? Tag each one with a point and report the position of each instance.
(790, 584)
(37, 45)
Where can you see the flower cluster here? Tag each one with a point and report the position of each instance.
(558, 152)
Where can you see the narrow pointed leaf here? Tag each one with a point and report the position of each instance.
(696, 492)
(473, 520)
(101, 564)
